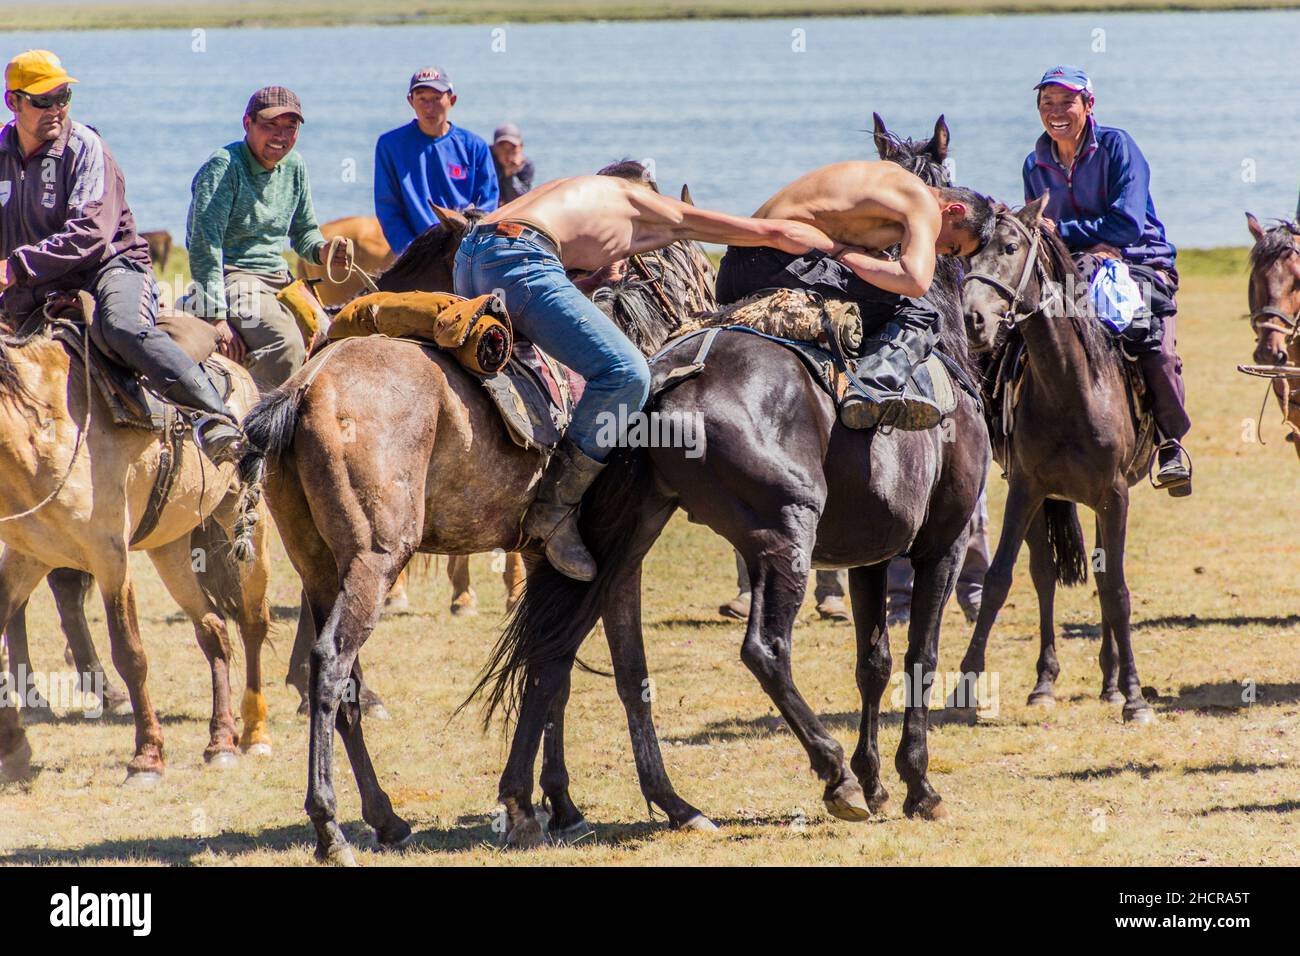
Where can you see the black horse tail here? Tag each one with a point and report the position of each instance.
(216, 569)
(557, 613)
(268, 430)
(1066, 539)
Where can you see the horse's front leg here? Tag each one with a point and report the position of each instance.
(566, 824)
(868, 590)
(19, 574)
(1043, 571)
(70, 589)
(1112, 516)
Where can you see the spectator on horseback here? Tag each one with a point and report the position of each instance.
(525, 251)
(65, 226)
(868, 207)
(430, 162)
(514, 169)
(248, 199)
(1099, 202)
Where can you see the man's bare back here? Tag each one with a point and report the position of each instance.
(600, 219)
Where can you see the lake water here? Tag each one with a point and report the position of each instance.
(735, 108)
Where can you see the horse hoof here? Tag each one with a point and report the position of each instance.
(928, 808)
(142, 780)
(1112, 697)
(525, 835)
(339, 854)
(223, 760)
(376, 711)
(700, 824)
(878, 800)
(464, 610)
(572, 834)
(397, 603)
(258, 750)
(1139, 715)
(397, 836)
(847, 802)
(304, 708)
(1046, 701)
(17, 765)
(120, 708)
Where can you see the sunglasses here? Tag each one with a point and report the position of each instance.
(45, 101)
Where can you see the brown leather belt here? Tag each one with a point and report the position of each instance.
(511, 229)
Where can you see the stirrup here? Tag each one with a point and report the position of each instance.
(228, 450)
(1178, 486)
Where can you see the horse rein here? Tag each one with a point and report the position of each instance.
(352, 268)
(1011, 317)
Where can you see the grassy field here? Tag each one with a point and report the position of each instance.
(159, 14)
(1214, 781)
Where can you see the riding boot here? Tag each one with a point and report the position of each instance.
(553, 517)
(1173, 473)
(885, 396)
(216, 430)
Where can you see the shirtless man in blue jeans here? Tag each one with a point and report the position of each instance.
(523, 250)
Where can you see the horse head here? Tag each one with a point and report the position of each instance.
(1274, 292)
(926, 158)
(426, 264)
(1001, 280)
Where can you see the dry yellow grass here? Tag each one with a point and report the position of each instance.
(1214, 781)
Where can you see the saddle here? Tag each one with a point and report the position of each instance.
(1005, 378)
(822, 333)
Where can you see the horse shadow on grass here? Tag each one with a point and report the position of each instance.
(1226, 698)
(774, 725)
(1091, 631)
(176, 850)
(1145, 770)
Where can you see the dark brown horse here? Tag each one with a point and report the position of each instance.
(1274, 299)
(791, 489)
(1074, 440)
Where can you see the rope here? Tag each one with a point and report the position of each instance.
(352, 268)
(81, 434)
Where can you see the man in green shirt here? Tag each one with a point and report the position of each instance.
(248, 198)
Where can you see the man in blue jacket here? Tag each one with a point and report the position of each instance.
(1100, 205)
(429, 161)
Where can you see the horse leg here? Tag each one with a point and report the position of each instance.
(514, 577)
(398, 599)
(173, 564)
(70, 589)
(464, 602)
(934, 584)
(1019, 512)
(113, 578)
(299, 674)
(566, 824)
(868, 590)
(1113, 591)
(636, 691)
(22, 676)
(1109, 654)
(19, 574)
(1043, 571)
(356, 609)
(779, 578)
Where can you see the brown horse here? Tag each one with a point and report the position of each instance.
(379, 448)
(74, 488)
(1074, 441)
(1274, 299)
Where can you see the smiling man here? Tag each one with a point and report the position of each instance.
(1100, 204)
(65, 226)
(430, 161)
(868, 207)
(249, 198)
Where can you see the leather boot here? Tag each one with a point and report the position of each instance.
(1173, 473)
(887, 398)
(553, 517)
(216, 430)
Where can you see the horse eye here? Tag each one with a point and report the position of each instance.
(1010, 248)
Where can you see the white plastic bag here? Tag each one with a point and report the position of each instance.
(1115, 297)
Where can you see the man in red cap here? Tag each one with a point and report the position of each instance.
(249, 198)
(65, 226)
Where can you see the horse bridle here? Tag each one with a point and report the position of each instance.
(1011, 317)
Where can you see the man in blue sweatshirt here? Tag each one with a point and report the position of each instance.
(429, 160)
(1100, 205)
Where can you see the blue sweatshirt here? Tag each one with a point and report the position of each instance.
(413, 169)
(1106, 197)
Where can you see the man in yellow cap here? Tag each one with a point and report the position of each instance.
(65, 226)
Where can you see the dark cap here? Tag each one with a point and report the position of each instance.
(272, 101)
(433, 77)
(508, 133)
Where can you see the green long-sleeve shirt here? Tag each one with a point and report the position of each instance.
(241, 213)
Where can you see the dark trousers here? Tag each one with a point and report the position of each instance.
(126, 313)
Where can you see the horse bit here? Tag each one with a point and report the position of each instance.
(1011, 317)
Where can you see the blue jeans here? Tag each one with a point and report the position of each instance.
(545, 308)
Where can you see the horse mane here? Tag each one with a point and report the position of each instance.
(914, 156)
(12, 388)
(1277, 242)
(431, 245)
(686, 279)
(1055, 258)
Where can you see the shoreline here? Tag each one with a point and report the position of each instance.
(170, 14)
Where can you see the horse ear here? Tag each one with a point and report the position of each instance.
(939, 144)
(1032, 214)
(450, 218)
(884, 142)
(1253, 225)
(686, 195)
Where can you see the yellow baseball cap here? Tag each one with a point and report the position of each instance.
(36, 72)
